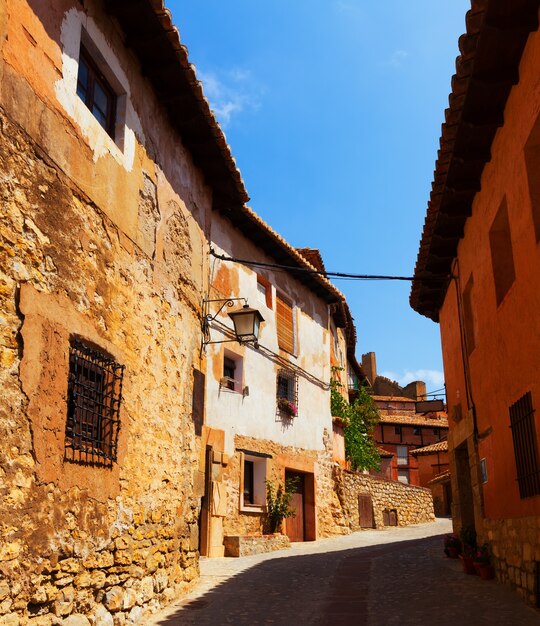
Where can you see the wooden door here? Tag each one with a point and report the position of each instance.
(294, 526)
(365, 511)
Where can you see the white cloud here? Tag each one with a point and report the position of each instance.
(229, 93)
(397, 58)
(434, 379)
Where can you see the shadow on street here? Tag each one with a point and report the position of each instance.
(408, 582)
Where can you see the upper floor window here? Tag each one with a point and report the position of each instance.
(502, 258)
(96, 92)
(287, 392)
(397, 430)
(94, 396)
(232, 371)
(468, 316)
(532, 161)
(285, 324)
(417, 430)
(402, 455)
(264, 291)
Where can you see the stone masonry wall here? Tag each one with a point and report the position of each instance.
(414, 505)
(515, 548)
(85, 540)
(320, 462)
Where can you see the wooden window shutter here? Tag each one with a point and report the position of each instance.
(285, 325)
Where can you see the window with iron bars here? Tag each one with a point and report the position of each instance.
(94, 397)
(525, 449)
(287, 392)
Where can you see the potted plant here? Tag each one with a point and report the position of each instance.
(278, 503)
(467, 536)
(288, 407)
(452, 546)
(482, 563)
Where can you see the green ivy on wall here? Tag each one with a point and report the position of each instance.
(359, 420)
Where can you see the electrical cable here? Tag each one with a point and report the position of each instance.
(325, 274)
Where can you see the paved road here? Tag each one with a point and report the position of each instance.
(371, 578)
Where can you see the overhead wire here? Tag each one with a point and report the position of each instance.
(324, 273)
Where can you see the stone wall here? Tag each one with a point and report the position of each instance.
(248, 545)
(414, 505)
(238, 522)
(515, 551)
(109, 542)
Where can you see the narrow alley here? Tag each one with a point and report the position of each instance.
(370, 578)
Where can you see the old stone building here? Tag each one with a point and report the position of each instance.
(111, 164)
(477, 274)
(268, 403)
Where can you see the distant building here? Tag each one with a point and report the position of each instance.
(401, 429)
(478, 275)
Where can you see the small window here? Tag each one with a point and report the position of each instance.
(249, 495)
(94, 396)
(229, 367)
(287, 393)
(285, 325)
(468, 316)
(525, 448)
(502, 258)
(402, 455)
(94, 90)
(264, 291)
(436, 432)
(483, 470)
(232, 371)
(397, 430)
(532, 160)
(403, 476)
(417, 430)
(253, 477)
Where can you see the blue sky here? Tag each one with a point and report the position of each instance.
(333, 111)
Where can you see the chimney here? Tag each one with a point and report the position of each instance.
(369, 364)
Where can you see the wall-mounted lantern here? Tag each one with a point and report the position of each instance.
(246, 322)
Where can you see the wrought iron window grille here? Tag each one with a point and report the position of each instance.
(93, 410)
(525, 449)
(287, 393)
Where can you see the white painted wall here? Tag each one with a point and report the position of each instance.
(256, 415)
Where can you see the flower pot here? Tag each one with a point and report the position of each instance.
(484, 570)
(452, 553)
(467, 562)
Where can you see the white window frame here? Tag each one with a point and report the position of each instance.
(238, 373)
(260, 467)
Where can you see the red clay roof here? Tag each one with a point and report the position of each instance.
(393, 399)
(414, 420)
(440, 446)
(313, 256)
(486, 69)
(443, 477)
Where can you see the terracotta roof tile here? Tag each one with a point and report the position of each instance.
(414, 420)
(440, 478)
(497, 32)
(440, 446)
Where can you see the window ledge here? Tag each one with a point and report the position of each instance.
(255, 508)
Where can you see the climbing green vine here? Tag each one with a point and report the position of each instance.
(359, 420)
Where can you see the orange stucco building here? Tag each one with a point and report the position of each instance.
(478, 275)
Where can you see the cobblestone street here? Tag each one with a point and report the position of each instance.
(371, 578)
